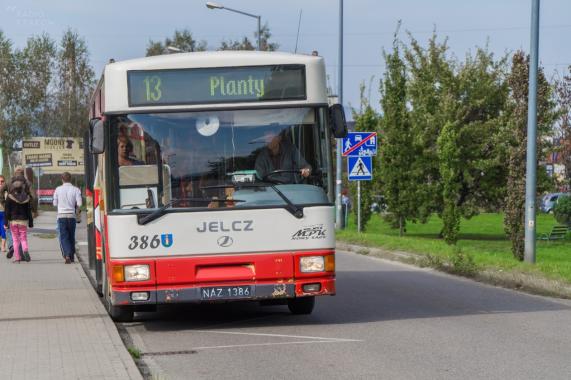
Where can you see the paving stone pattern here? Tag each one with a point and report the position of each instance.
(52, 323)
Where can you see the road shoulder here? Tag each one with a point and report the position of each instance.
(526, 282)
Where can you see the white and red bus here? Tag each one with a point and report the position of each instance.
(179, 212)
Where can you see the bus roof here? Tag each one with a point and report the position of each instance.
(116, 92)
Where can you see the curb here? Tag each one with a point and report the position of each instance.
(144, 369)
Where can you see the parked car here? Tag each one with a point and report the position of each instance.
(379, 204)
(549, 201)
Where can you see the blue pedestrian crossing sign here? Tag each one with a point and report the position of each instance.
(360, 168)
(360, 144)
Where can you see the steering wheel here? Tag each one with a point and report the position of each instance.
(267, 177)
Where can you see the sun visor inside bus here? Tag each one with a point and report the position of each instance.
(287, 116)
(138, 175)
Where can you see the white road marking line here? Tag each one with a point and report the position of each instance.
(81, 243)
(272, 344)
(279, 336)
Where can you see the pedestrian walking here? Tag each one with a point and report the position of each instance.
(3, 193)
(67, 197)
(19, 174)
(18, 217)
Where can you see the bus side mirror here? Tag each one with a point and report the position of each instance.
(337, 120)
(96, 136)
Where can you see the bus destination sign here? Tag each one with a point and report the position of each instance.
(216, 85)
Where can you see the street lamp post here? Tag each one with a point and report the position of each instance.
(531, 163)
(339, 160)
(211, 5)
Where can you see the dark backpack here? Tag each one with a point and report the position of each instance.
(19, 181)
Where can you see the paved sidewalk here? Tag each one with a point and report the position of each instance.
(52, 323)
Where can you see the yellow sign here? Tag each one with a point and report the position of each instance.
(54, 154)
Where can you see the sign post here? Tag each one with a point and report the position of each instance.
(359, 148)
(39, 178)
(358, 206)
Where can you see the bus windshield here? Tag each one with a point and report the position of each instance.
(217, 159)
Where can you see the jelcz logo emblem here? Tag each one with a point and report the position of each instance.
(225, 241)
(166, 240)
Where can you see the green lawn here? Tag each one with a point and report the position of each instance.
(482, 237)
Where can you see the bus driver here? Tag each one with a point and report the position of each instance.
(280, 154)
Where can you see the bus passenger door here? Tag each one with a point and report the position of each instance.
(138, 186)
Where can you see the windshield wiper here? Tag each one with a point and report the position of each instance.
(291, 207)
(142, 220)
(156, 214)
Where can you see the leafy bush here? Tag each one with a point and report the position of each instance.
(463, 263)
(432, 261)
(458, 262)
(562, 211)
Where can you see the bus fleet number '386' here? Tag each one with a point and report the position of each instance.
(147, 241)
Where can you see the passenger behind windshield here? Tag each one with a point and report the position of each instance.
(125, 152)
(281, 154)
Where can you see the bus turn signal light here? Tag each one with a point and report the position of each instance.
(330, 263)
(118, 274)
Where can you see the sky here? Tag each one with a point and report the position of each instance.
(121, 29)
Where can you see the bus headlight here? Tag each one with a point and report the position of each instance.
(139, 272)
(309, 264)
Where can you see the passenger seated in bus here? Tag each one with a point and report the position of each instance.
(280, 154)
(125, 152)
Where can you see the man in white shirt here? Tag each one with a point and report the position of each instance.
(67, 197)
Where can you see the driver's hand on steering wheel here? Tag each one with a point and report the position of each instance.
(305, 172)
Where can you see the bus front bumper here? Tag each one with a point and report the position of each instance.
(208, 293)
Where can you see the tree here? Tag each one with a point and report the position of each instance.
(430, 79)
(76, 81)
(155, 48)
(244, 44)
(34, 88)
(247, 44)
(7, 88)
(562, 210)
(182, 39)
(472, 176)
(397, 153)
(265, 44)
(516, 135)
(450, 170)
(455, 112)
(563, 93)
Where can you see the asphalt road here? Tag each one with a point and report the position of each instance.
(387, 321)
